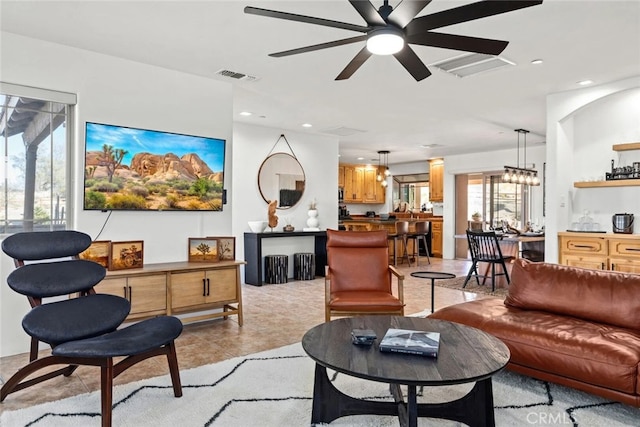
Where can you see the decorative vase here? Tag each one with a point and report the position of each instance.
(312, 221)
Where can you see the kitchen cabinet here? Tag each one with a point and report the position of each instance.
(179, 288)
(600, 251)
(360, 184)
(353, 182)
(436, 238)
(147, 293)
(436, 180)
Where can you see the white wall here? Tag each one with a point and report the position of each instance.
(116, 91)
(489, 161)
(582, 125)
(318, 156)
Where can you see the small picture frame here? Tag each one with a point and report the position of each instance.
(203, 249)
(125, 255)
(226, 247)
(99, 252)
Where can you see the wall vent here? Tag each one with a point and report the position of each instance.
(236, 76)
(470, 64)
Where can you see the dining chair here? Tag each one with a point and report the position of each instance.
(358, 278)
(485, 247)
(80, 325)
(421, 234)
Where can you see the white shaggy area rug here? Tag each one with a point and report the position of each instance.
(274, 388)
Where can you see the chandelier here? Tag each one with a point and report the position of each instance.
(517, 174)
(383, 167)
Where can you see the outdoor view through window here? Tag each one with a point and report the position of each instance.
(33, 191)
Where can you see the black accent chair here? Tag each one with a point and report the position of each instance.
(484, 247)
(83, 329)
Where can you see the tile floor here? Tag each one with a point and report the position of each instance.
(274, 316)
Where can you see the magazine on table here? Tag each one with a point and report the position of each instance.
(413, 342)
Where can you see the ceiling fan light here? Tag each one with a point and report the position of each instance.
(385, 41)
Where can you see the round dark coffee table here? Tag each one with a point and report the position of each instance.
(433, 275)
(466, 355)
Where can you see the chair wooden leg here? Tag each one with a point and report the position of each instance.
(106, 391)
(33, 350)
(173, 369)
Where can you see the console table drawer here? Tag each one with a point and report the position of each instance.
(624, 247)
(587, 245)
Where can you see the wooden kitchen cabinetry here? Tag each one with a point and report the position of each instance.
(360, 184)
(179, 288)
(600, 251)
(436, 238)
(436, 180)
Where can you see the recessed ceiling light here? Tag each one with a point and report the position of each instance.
(245, 113)
(360, 158)
(426, 145)
(307, 125)
(537, 61)
(585, 82)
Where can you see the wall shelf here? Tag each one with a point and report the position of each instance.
(627, 147)
(615, 183)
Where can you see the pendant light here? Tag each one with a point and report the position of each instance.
(517, 174)
(382, 176)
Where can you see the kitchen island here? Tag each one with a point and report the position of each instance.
(363, 223)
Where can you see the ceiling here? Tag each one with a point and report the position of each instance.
(381, 107)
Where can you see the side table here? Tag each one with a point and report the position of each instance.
(433, 275)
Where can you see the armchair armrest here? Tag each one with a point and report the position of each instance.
(394, 271)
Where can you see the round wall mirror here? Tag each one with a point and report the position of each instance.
(281, 178)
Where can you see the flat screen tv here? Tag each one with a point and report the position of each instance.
(149, 170)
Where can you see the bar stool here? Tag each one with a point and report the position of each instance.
(422, 230)
(402, 233)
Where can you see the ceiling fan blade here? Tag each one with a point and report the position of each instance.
(466, 13)
(412, 63)
(355, 63)
(306, 19)
(406, 11)
(452, 41)
(368, 12)
(318, 46)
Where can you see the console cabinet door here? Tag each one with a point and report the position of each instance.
(147, 294)
(195, 288)
(585, 261)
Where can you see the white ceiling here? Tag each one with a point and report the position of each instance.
(577, 39)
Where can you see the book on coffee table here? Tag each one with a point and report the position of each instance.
(412, 342)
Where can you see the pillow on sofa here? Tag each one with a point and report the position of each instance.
(602, 296)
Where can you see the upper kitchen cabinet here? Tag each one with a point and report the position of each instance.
(436, 184)
(360, 184)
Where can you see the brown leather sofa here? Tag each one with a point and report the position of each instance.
(571, 326)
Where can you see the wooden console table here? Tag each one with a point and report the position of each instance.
(253, 252)
(177, 288)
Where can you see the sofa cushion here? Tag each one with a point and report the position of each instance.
(600, 296)
(590, 352)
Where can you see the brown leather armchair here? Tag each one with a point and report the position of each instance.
(358, 279)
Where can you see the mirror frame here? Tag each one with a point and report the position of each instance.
(265, 163)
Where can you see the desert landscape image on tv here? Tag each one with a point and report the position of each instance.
(138, 169)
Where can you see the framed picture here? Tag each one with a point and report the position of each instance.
(98, 252)
(125, 255)
(226, 248)
(203, 249)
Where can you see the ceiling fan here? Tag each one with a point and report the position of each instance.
(390, 31)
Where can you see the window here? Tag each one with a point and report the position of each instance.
(34, 135)
(498, 201)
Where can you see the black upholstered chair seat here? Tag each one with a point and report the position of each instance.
(76, 319)
(135, 339)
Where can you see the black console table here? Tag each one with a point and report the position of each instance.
(253, 252)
